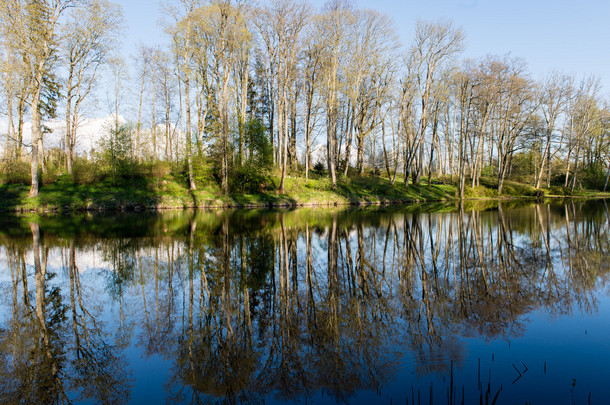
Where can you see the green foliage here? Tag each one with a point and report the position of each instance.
(479, 192)
(258, 143)
(249, 179)
(115, 156)
(49, 96)
(559, 190)
(489, 170)
(523, 167)
(84, 171)
(15, 172)
(202, 170)
(594, 176)
(518, 190)
(319, 169)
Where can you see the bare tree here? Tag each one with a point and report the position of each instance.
(554, 95)
(584, 123)
(281, 24)
(435, 43)
(89, 37)
(15, 78)
(515, 106)
(223, 23)
(182, 33)
(144, 62)
(332, 32)
(35, 27)
(369, 73)
(311, 65)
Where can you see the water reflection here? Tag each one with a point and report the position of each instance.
(53, 346)
(248, 306)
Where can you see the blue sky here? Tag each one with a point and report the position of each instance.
(565, 35)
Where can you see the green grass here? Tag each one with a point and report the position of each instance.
(171, 191)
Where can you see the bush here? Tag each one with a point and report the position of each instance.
(479, 192)
(249, 179)
(115, 156)
(15, 172)
(320, 169)
(508, 190)
(258, 143)
(159, 169)
(203, 171)
(559, 190)
(85, 172)
(594, 176)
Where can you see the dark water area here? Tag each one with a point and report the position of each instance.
(409, 305)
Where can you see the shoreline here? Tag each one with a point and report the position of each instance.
(67, 197)
(296, 205)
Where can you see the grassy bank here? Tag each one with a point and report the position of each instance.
(170, 192)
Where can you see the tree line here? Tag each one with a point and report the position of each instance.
(244, 88)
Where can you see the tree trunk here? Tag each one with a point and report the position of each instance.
(242, 111)
(189, 133)
(168, 145)
(68, 138)
(282, 135)
(9, 132)
(153, 128)
(308, 132)
(139, 127)
(385, 152)
(225, 129)
(20, 119)
(36, 136)
(293, 128)
(331, 139)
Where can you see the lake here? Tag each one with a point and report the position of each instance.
(397, 305)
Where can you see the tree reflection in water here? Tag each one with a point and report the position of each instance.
(248, 305)
(54, 350)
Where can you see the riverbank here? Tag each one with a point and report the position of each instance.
(140, 194)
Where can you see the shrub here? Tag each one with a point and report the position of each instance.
(479, 192)
(508, 190)
(249, 179)
(15, 172)
(559, 190)
(85, 171)
(319, 169)
(594, 176)
(115, 155)
(258, 143)
(159, 169)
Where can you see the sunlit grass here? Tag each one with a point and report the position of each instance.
(170, 192)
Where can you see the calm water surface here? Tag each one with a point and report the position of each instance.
(432, 304)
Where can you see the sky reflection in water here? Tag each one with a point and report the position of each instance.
(405, 305)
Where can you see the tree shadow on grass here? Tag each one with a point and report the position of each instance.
(67, 196)
(371, 190)
(263, 199)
